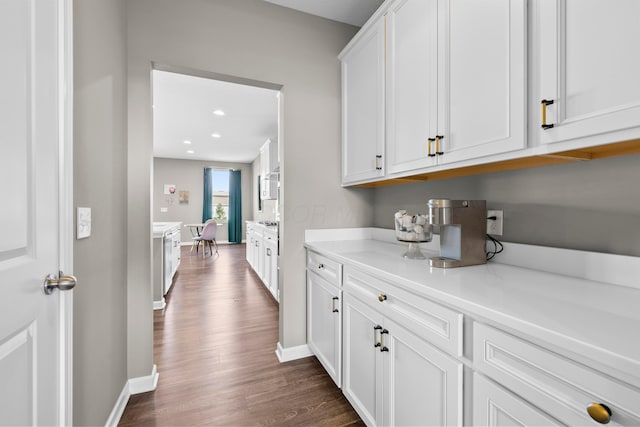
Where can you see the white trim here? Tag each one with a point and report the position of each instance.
(144, 384)
(119, 407)
(65, 205)
(133, 386)
(159, 305)
(292, 353)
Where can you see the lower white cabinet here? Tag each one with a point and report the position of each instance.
(270, 265)
(324, 326)
(393, 377)
(496, 406)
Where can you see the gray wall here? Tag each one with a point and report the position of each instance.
(100, 299)
(188, 175)
(256, 40)
(592, 205)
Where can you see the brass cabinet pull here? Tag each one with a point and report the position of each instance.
(378, 158)
(439, 152)
(382, 297)
(429, 141)
(382, 346)
(333, 304)
(376, 343)
(544, 104)
(599, 412)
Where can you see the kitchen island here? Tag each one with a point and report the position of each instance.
(166, 259)
(544, 344)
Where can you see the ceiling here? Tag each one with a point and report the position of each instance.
(183, 110)
(354, 12)
(183, 105)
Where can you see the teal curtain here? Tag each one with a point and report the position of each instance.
(235, 207)
(207, 198)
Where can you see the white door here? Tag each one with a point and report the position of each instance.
(361, 377)
(494, 406)
(412, 75)
(482, 82)
(363, 107)
(324, 328)
(423, 386)
(589, 67)
(33, 366)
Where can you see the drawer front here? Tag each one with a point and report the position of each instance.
(326, 268)
(430, 321)
(559, 386)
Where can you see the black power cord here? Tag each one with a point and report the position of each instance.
(497, 245)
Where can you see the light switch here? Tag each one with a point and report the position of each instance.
(163, 210)
(83, 223)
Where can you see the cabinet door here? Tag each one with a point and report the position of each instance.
(271, 267)
(363, 107)
(482, 67)
(324, 331)
(422, 386)
(589, 66)
(411, 84)
(495, 406)
(361, 384)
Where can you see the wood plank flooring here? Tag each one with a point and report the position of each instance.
(215, 351)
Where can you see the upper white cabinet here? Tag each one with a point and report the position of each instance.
(412, 76)
(269, 164)
(483, 79)
(363, 106)
(589, 63)
(455, 80)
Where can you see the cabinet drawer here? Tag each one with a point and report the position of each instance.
(432, 322)
(559, 386)
(326, 268)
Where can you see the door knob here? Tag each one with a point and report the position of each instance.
(64, 283)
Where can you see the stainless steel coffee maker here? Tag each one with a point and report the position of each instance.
(463, 229)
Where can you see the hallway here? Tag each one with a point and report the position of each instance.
(214, 347)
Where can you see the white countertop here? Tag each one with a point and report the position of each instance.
(160, 228)
(586, 318)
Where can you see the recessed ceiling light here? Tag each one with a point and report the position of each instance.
(215, 135)
(187, 142)
(218, 113)
(190, 151)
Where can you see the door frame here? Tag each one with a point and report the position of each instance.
(65, 206)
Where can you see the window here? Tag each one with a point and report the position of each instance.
(220, 198)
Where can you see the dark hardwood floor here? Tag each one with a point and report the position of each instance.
(215, 352)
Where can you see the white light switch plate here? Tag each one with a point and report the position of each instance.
(163, 210)
(83, 223)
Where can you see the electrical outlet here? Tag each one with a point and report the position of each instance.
(494, 226)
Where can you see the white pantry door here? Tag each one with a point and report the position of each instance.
(33, 128)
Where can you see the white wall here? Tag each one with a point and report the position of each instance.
(188, 175)
(256, 40)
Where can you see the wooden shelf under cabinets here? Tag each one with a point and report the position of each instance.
(583, 154)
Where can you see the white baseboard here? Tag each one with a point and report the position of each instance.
(292, 353)
(159, 305)
(144, 384)
(133, 386)
(119, 407)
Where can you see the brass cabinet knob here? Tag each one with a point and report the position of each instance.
(382, 297)
(599, 412)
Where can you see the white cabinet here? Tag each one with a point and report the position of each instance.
(270, 264)
(324, 324)
(589, 63)
(262, 255)
(552, 383)
(363, 106)
(493, 406)
(393, 377)
(455, 81)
